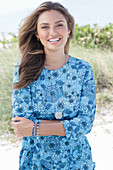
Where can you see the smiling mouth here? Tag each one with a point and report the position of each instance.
(54, 40)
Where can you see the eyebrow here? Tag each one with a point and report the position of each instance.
(55, 22)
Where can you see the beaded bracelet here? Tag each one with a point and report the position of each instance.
(37, 135)
(34, 127)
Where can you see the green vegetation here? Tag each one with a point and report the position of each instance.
(6, 40)
(94, 37)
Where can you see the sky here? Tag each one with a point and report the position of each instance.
(13, 12)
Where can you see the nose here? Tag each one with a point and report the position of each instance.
(52, 30)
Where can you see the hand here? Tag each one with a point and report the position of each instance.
(22, 126)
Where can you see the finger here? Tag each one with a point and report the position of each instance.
(15, 124)
(17, 119)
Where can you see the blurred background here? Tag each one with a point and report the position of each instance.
(93, 42)
(12, 12)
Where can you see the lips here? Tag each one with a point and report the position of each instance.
(54, 39)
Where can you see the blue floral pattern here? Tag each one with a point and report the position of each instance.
(73, 88)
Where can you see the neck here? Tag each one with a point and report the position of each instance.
(55, 60)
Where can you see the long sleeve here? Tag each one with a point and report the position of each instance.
(22, 100)
(82, 124)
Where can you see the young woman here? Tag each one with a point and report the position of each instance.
(53, 94)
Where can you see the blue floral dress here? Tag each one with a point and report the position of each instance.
(73, 89)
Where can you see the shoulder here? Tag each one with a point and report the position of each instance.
(82, 68)
(79, 63)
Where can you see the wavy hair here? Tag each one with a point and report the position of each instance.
(32, 51)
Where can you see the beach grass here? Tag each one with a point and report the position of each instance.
(8, 60)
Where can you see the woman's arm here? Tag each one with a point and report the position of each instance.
(83, 122)
(23, 114)
(22, 108)
(23, 127)
(51, 127)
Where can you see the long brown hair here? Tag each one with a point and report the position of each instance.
(32, 51)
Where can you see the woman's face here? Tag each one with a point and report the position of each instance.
(52, 30)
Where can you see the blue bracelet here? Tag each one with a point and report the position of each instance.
(36, 126)
(33, 130)
(37, 135)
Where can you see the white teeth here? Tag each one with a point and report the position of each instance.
(53, 40)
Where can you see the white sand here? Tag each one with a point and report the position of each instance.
(9, 156)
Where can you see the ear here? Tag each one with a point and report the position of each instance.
(69, 28)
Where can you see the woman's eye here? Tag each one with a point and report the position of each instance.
(59, 25)
(44, 27)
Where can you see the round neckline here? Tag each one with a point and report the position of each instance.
(61, 67)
